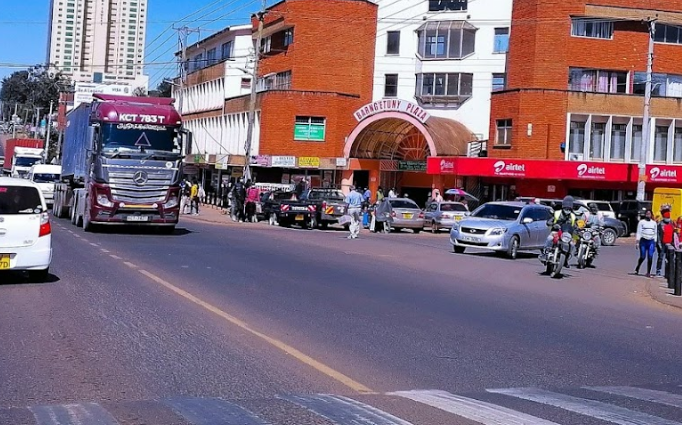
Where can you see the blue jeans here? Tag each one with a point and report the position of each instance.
(646, 248)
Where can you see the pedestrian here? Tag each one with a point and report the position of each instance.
(665, 238)
(677, 238)
(194, 198)
(185, 198)
(380, 194)
(392, 193)
(383, 214)
(366, 200)
(252, 197)
(437, 196)
(300, 188)
(647, 232)
(239, 199)
(354, 201)
(225, 197)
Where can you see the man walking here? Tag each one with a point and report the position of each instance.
(194, 198)
(354, 201)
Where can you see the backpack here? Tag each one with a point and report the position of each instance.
(667, 233)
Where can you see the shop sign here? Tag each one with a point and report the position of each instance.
(663, 174)
(260, 160)
(412, 166)
(551, 188)
(392, 105)
(328, 163)
(312, 132)
(283, 161)
(309, 162)
(341, 162)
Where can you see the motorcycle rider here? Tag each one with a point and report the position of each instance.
(565, 220)
(595, 221)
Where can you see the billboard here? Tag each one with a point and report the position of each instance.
(84, 91)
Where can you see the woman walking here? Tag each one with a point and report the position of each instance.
(647, 233)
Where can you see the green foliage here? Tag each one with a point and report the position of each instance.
(162, 90)
(33, 88)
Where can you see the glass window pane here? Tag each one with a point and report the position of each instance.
(466, 85)
(597, 140)
(453, 84)
(661, 143)
(440, 85)
(618, 132)
(455, 50)
(393, 43)
(468, 42)
(427, 88)
(674, 87)
(636, 145)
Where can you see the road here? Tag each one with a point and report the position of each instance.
(249, 324)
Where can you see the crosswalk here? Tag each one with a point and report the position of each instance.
(621, 405)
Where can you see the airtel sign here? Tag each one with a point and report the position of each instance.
(663, 174)
(595, 172)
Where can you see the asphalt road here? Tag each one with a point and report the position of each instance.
(248, 324)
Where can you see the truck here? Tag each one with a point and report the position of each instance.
(315, 208)
(122, 163)
(21, 154)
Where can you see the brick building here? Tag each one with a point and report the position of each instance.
(570, 117)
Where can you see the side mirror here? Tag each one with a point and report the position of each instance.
(92, 131)
(187, 141)
(527, 220)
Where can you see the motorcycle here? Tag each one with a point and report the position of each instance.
(558, 253)
(586, 250)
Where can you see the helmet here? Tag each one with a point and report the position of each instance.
(567, 203)
(594, 209)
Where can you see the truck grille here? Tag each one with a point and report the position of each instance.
(125, 189)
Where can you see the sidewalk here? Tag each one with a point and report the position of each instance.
(656, 288)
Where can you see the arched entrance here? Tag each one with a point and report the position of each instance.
(392, 141)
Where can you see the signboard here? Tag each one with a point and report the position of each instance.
(260, 160)
(84, 91)
(533, 169)
(392, 105)
(309, 162)
(412, 166)
(663, 174)
(341, 162)
(283, 161)
(312, 132)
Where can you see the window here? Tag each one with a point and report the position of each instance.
(197, 63)
(447, 5)
(662, 85)
(16, 200)
(677, 144)
(618, 134)
(288, 37)
(592, 28)
(391, 85)
(279, 81)
(226, 50)
(431, 88)
(309, 129)
(393, 43)
(501, 40)
(636, 146)
(246, 83)
(446, 40)
(597, 80)
(504, 132)
(211, 57)
(661, 143)
(597, 140)
(576, 137)
(499, 81)
(668, 34)
(266, 44)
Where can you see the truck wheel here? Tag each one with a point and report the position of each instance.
(87, 224)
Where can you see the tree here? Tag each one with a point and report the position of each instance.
(33, 88)
(163, 89)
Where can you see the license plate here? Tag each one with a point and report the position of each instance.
(4, 262)
(471, 239)
(408, 215)
(458, 217)
(138, 218)
(299, 217)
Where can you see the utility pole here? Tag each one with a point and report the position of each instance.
(646, 128)
(47, 133)
(15, 118)
(254, 92)
(183, 34)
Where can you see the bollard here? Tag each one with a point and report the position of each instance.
(670, 272)
(678, 273)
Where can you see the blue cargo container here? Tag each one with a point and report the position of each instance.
(77, 141)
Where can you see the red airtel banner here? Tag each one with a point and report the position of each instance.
(660, 173)
(530, 169)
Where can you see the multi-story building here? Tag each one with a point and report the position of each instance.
(98, 41)
(570, 118)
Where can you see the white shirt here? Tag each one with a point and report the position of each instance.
(647, 229)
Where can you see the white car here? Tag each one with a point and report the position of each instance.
(45, 176)
(25, 230)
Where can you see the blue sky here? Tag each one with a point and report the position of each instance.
(23, 29)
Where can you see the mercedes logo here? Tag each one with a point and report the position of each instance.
(140, 178)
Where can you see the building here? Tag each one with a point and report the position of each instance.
(99, 41)
(218, 68)
(570, 118)
(442, 59)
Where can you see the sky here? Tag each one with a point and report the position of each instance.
(23, 30)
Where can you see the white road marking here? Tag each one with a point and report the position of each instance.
(212, 411)
(345, 411)
(475, 410)
(129, 264)
(80, 414)
(93, 244)
(115, 257)
(104, 250)
(596, 409)
(654, 396)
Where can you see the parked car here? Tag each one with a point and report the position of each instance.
(330, 205)
(25, 231)
(406, 215)
(506, 227)
(270, 205)
(604, 207)
(630, 212)
(440, 215)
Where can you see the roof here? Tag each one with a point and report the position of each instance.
(450, 137)
(435, 25)
(226, 30)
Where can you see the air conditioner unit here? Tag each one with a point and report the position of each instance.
(575, 156)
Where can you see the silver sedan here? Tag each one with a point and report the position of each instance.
(440, 215)
(406, 215)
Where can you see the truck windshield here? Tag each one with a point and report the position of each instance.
(25, 161)
(46, 178)
(139, 137)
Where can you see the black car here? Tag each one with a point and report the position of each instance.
(630, 212)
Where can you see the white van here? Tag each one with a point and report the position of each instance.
(45, 176)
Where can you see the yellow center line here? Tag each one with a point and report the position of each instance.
(288, 349)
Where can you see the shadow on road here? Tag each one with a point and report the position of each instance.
(16, 277)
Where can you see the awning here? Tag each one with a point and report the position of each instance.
(445, 25)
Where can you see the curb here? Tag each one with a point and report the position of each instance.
(655, 292)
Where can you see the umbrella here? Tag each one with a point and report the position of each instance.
(459, 192)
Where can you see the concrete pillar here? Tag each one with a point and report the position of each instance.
(346, 181)
(374, 181)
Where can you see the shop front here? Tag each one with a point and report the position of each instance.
(391, 142)
(493, 179)
(322, 172)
